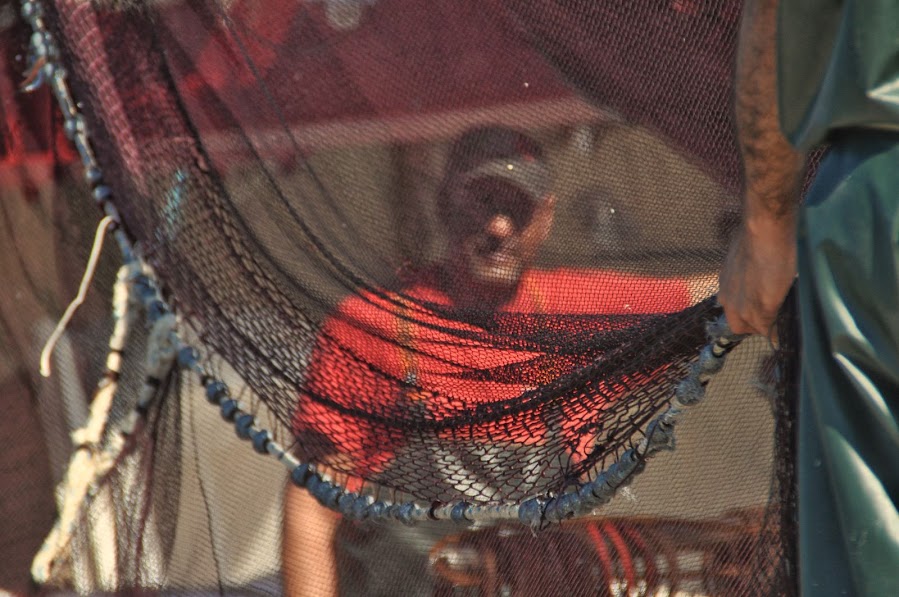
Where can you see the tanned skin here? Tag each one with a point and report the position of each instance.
(309, 567)
(761, 264)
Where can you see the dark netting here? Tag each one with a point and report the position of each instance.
(443, 260)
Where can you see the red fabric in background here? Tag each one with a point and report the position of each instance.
(281, 65)
(406, 57)
(31, 208)
(31, 135)
(413, 57)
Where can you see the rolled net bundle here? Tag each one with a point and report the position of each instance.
(452, 265)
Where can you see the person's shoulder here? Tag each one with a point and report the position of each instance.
(591, 290)
(593, 275)
(591, 278)
(375, 304)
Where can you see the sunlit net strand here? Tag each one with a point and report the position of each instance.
(533, 512)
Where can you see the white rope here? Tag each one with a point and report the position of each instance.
(88, 464)
(86, 280)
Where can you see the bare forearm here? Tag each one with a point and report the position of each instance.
(772, 166)
(761, 263)
(308, 564)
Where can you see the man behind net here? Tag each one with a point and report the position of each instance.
(497, 207)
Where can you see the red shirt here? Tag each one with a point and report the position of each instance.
(372, 344)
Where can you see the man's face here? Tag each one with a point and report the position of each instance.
(500, 230)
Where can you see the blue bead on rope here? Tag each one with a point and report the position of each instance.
(690, 391)
(345, 505)
(189, 358)
(378, 511)
(458, 514)
(216, 391)
(300, 475)
(362, 506)
(530, 513)
(261, 439)
(406, 513)
(562, 507)
(659, 436)
(229, 409)
(328, 494)
(242, 425)
(312, 482)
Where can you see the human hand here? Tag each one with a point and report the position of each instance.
(757, 274)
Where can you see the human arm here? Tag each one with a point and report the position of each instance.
(761, 263)
(309, 567)
(337, 441)
(308, 562)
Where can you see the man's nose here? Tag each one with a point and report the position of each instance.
(501, 226)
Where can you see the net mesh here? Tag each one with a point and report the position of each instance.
(446, 252)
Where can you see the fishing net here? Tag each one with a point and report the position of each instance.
(415, 297)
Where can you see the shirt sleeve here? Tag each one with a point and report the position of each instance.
(607, 292)
(347, 379)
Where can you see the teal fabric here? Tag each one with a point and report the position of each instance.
(848, 428)
(838, 67)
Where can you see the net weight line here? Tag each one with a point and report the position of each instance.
(534, 512)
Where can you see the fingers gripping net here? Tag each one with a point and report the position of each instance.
(476, 292)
